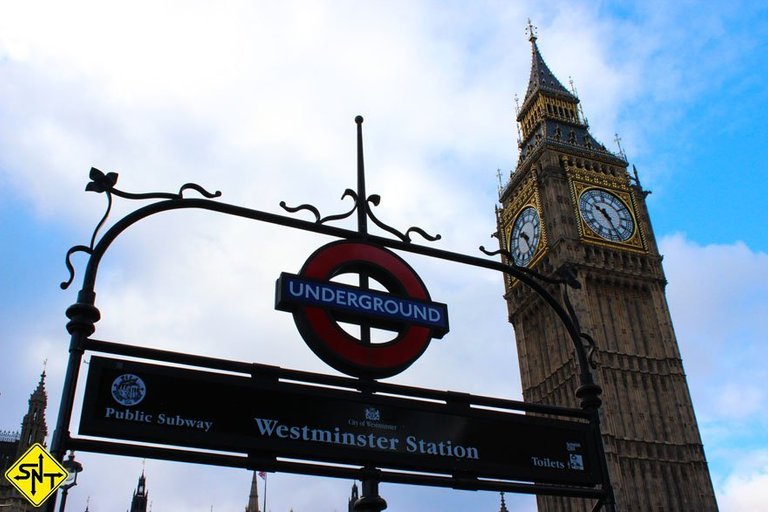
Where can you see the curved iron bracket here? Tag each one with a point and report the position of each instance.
(102, 183)
(566, 279)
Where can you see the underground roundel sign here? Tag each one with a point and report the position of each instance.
(319, 304)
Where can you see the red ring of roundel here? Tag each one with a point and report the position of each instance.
(335, 346)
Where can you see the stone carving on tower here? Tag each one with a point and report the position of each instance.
(570, 204)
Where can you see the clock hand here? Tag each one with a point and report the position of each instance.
(608, 218)
(526, 237)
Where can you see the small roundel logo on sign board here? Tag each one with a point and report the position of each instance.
(128, 389)
(318, 305)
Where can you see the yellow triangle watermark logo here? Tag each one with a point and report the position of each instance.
(36, 475)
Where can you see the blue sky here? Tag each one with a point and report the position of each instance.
(258, 101)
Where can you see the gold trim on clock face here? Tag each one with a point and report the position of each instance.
(525, 235)
(606, 215)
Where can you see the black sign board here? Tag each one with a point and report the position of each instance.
(263, 416)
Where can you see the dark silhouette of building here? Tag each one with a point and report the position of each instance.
(9, 444)
(503, 505)
(13, 444)
(354, 496)
(571, 203)
(140, 496)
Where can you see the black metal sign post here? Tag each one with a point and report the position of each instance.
(398, 437)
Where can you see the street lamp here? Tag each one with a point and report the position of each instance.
(73, 468)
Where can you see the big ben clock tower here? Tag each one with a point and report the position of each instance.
(572, 203)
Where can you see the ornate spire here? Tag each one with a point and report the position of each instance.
(617, 140)
(140, 495)
(551, 115)
(40, 390)
(33, 427)
(503, 507)
(253, 497)
(531, 31)
(541, 77)
(353, 497)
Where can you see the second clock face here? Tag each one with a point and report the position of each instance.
(606, 215)
(525, 236)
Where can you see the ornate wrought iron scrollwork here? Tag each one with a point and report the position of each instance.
(68, 262)
(101, 182)
(494, 253)
(105, 183)
(568, 278)
(375, 199)
(591, 350)
(362, 204)
(318, 220)
(526, 270)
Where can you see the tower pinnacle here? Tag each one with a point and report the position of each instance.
(33, 427)
(531, 31)
(503, 507)
(253, 497)
(542, 79)
(140, 495)
(551, 116)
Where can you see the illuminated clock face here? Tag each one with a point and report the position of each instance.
(525, 236)
(606, 215)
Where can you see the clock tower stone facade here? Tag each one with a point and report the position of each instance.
(571, 203)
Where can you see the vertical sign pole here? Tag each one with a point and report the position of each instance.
(362, 216)
(63, 503)
(370, 501)
(82, 317)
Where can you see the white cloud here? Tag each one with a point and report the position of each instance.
(741, 401)
(718, 296)
(719, 304)
(746, 489)
(745, 494)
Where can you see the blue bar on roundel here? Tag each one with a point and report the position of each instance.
(360, 304)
